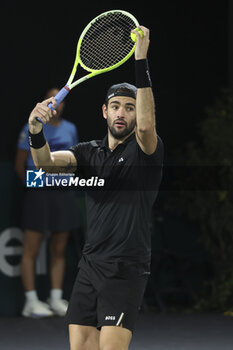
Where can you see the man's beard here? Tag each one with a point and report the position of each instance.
(120, 134)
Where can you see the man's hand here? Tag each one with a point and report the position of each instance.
(43, 112)
(142, 44)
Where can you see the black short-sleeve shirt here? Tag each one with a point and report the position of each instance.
(118, 215)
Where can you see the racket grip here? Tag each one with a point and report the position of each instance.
(59, 98)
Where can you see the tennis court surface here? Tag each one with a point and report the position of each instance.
(154, 331)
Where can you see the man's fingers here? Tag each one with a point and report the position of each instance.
(146, 31)
(43, 112)
(50, 100)
(142, 43)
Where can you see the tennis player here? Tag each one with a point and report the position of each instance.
(115, 265)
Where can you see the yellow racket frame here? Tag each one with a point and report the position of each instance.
(94, 72)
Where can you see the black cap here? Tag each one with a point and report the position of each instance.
(122, 89)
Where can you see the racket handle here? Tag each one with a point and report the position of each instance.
(59, 98)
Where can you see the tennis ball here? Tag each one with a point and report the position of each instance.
(134, 36)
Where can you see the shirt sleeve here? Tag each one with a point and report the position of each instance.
(23, 139)
(82, 152)
(155, 158)
(149, 175)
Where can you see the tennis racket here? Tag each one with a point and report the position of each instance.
(104, 45)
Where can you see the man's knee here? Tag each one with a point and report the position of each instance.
(113, 346)
(83, 337)
(115, 338)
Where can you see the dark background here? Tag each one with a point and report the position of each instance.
(188, 56)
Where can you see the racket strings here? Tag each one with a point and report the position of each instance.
(107, 41)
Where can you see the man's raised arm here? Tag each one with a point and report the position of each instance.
(145, 108)
(60, 161)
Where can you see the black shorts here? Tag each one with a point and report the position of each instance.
(53, 211)
(107, 294)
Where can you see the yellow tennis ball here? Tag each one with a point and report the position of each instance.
(134, 36)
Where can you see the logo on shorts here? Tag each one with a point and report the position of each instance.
(35, 178)
(110, 318)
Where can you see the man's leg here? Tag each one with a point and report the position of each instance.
(83, 337)
(114, 338)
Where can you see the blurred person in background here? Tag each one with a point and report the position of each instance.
(46, 211)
